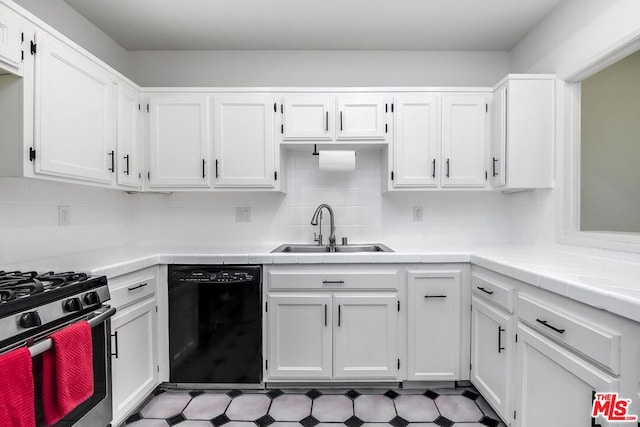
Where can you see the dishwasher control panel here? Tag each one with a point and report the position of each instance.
(217, 275)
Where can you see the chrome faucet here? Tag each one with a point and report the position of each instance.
(316, 219)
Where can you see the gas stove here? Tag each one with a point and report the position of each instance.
(30, 301)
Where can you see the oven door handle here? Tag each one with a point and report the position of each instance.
(100, 317)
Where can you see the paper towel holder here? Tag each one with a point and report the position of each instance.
(315, 150)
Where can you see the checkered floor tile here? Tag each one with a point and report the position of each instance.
(461, 406)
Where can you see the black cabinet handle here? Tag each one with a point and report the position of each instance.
(500, 331)
(545, 323)
(435, 296)
(339, 315)
(115, 335)
(484, 290)
(494, 166)
(126, 158)
(217, 168)
(133, 288)
(326, 121)
(113, 161)
(447, 168)
(325, 315)
(433, 168)
(340, 121)
(203, 168)
(333, 282)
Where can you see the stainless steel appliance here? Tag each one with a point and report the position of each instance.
(215, 324)
(32, 306)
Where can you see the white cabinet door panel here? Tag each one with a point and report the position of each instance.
(129, 135)
(366, 337)
(244, 141)
(179, 139)
(434, 325)
(361, 117)
(75, 124)
(134, 372)
(11, 25)
(417, 140)
(300, 337)
(463, 140)
(308, 117)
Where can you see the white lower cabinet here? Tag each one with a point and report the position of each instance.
(492, 352)
(366, 336)
(300, 336)
(554, 386)
(434, 324)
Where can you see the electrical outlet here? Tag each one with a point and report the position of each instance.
(417, 214)
(64, 215)
(243, 214)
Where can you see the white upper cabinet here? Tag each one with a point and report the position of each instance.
(416, 145)
(361, 117)
(129, 135)
(522, 139)
(75, 119)
(464, 124)
(179, 139)
(11, 27)
(307, 117)
(244, 141)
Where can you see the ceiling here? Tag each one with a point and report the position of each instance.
(316, 25)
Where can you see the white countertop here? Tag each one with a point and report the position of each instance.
(611, 283)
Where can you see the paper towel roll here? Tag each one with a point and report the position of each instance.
(337, 160)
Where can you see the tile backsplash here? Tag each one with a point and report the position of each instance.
(102, 218)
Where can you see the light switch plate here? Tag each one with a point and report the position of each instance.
(417, 214)
(64, 215)
(243, 214)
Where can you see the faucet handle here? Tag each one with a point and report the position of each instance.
(317, 238)
(344, 241)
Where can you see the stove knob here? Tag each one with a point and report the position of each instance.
(90, 298)
(30, 319)
(72, 304)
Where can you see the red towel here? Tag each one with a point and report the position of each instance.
(67, 371)
(16, 392)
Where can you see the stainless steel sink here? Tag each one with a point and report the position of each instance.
(306, 249)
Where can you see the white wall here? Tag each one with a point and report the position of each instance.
(316, 68)
(65, 19)
(572, 37)
(29, 229)
(363, 213)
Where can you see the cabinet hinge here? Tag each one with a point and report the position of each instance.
(398, 363)
(398, 305)
(281, 128)
(275, 107)
(486, 108)
(32, 154)
(516, 337)
(275, 175)
(34, 48)
(391, 175)
(266, 306)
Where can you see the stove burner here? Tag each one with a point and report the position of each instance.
(15, 284)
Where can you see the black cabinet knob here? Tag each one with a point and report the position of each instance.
(72, 304)
(90, 298)
(30, 319)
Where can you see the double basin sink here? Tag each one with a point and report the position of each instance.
(351, 248)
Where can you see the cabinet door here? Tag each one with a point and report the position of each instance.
(129, 135)
(75, 123)
(463, 140)
(434, 325)
(10, 40)
(492, 350)
(361, 117)
(179, 139)
(308, 117)
(244, 141)
(417, 140)
(300, 345)
(497, 170)
(134, 363)
(366, 336)
(555, 386)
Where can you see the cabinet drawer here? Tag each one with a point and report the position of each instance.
(492, 290)
(599, 344)
(132, 287)
(334, 279)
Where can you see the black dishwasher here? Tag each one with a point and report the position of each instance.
(215, 324)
